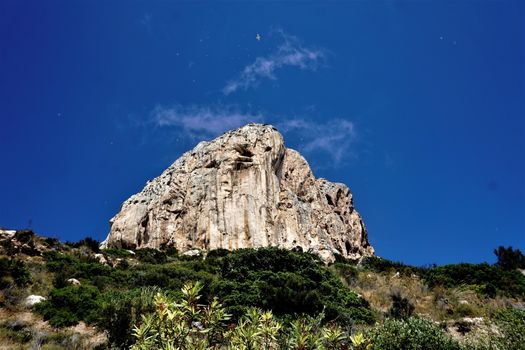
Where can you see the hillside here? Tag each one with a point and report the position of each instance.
(94, 298)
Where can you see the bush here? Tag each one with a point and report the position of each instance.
(151, 256)
(24, 236)
(346, 271)
(411, 334)
(120, 310)
(117, 253)
(509, 258)
(378, 264)
(512, 323)
(67, 306)
(402, 308)
(184, 324)
(13, 270)
(287, 283)
(89, 242)
(483, 278)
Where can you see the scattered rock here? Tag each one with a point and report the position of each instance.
(101, 258)
(34, 299)
(244, 189)
(7, 234)
(192, 252)
(474, 320)
(73, 281)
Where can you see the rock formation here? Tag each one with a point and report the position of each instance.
(244, 189)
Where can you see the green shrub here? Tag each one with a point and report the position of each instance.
(346, 271)
(13, 270)
(69, 305)
(484, 278)
(512, 323)
(509, 258)
(24, 236)
(117, 253)
(411, 334)
(120, 310)
(89, 242)
(287, 283)
(378, 264)
(402, 308)
(183, 324)
(217, 253)
(151, 256)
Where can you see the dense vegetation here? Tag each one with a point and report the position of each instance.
(292, 297)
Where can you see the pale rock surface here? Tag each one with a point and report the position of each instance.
(101, 259)
(7, 234)
(34, 299)
(192, 252)
(244, 189)
(73, 281)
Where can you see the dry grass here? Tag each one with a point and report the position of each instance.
(37, 333)
(437, 304)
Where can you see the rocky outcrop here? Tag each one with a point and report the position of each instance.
(244, 189)
(34, 299)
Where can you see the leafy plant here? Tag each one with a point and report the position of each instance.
(401, 308)
(89, 242)
(360, 342)
(120, 310)
(509, 259)
(182, 324)
(484, 278)
(13, 270)
(286, 283)
(411, 334)
(67, 306)
(255, 330)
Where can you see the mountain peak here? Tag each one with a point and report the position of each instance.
(244, 189)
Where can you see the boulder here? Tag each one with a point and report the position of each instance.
(34, 299)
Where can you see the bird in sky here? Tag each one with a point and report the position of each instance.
(258, 37)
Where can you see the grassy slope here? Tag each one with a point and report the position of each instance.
(445, 295)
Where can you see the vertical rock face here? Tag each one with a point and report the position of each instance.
(242, 190)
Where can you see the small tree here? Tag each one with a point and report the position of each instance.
(509, 259)
(401, 308)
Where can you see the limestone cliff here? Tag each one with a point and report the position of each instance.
(244, 189)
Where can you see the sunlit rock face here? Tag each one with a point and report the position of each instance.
(244, 189)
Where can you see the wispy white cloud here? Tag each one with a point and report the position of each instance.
(334, 138)
(203, 121)
(289, 53)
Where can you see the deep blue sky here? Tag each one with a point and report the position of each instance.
(418, 106)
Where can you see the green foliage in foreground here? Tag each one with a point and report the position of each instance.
(287, 283)
(411, 334)
(294, 287)
(512, 323)
(188, 325)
